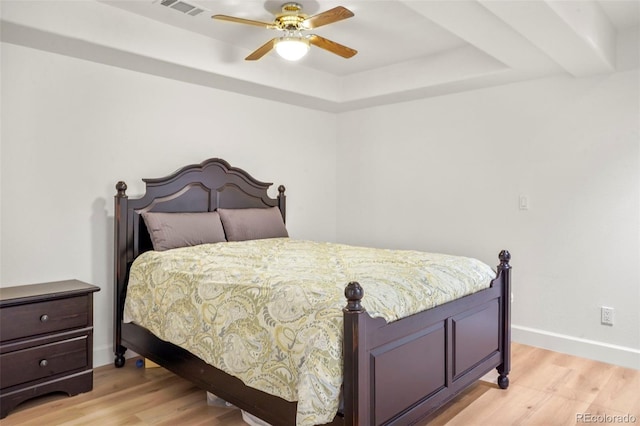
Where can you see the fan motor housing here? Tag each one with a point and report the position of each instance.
(291, 18)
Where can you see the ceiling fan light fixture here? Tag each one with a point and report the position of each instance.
(292, 48)
(295, 43)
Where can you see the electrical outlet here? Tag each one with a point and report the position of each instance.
(606, 315)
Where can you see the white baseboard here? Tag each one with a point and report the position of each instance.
(591, 349)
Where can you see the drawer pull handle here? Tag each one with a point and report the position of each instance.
(44, 363)
(44, 318)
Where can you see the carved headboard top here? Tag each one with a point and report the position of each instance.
(220, 184)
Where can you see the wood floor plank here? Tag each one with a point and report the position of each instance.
(621, 392)
(547, 389)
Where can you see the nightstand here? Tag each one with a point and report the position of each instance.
(46, 340)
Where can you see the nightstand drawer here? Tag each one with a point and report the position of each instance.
(43, 317)
(43, 361)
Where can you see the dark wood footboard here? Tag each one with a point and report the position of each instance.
(401, 372)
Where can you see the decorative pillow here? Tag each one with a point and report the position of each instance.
(173, 230)
(252, 224)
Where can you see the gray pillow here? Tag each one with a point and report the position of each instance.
(173, 230)
(252, 224)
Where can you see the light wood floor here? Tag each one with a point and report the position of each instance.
(547, 388)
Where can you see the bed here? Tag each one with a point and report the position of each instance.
(393, 372)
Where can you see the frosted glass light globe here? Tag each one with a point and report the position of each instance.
(292, 48)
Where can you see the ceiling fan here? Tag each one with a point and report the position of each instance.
(294, 43)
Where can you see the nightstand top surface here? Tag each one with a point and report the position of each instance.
(51, 290)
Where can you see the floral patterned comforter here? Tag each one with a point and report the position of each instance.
(270, 311)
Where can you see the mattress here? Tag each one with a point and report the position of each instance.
(270, 311)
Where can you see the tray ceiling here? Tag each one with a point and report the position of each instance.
(406, 49)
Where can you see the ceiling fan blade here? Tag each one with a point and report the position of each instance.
(332, 46)
(261, 51)
(330, 16)
(244, 21)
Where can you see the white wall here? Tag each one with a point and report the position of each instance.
(445, 174)
(440, 174)
(71, 129)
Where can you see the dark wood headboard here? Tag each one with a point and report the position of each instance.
(195, 188)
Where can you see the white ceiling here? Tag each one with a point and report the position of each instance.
(376, 31)
(407, 49)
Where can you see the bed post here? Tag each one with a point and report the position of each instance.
(120, 273)
(356, 372)
(504, 271)
(282, 202)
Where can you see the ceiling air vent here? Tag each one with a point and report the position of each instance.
(182, 6)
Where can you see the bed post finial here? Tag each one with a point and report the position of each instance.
(121, 187)
(281, 189)
(504, 257)
(354, 294)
